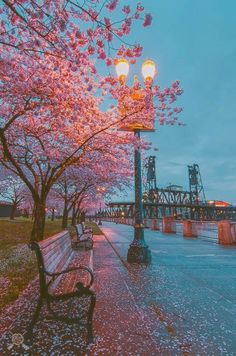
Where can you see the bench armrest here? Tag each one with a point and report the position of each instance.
(85, 237)
(88, 230)
(84, 240)
(71, 269)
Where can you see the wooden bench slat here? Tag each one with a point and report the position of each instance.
(50, 249)
(54, 255)
(57, 255)
(57, 252)
(52, 239)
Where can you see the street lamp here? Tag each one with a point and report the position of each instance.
(138, 250)
(122, 69)
(100, 190)
(99, 215)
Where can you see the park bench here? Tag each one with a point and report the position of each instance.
(86, 229)
(55, 256)
(84, 236)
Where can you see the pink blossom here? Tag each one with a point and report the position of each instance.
(109, 62)
(107, 22)
(78, 34)
(121, 50)
(100, 43)
(126, 9)
(102, 55)
(147, 20)
(62, 25)
(139, 8)
(112, 5)
(91, 50)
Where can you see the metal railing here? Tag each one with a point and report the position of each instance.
(205, 230)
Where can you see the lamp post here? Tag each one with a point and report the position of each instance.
(100, 191)
(100, 211)
(138, 250)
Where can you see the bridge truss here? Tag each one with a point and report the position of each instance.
(167, 196)
(180, 211)
(172, 201)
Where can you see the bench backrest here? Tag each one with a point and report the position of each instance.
(53, 255)
(79, 230)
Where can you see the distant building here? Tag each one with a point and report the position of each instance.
(218, 203)
(174, 187)
(5, 209)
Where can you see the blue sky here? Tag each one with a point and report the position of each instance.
(194, 41)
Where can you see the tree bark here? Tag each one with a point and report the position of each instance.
(78, 217)
(65, 217)
(53, 215)
(82, 216)
(73, 216)
(13, 211)
(37, 233)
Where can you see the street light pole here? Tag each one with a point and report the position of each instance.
(100, 211)
(100, 191)
(138, 250)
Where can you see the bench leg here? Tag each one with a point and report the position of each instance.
(90, 317)
(29, 333)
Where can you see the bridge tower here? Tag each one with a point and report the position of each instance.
(197, 194)
(150, 165)
(150, 184)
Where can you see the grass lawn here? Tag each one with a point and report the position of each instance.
(17, 261)
(95, 227)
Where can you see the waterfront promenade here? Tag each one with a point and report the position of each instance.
(184, 303)
(189, 291)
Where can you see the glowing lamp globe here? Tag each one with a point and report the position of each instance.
(122, 69)
(148, 70)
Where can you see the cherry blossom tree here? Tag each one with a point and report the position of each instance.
(54, 205)
(69, 188)
(27, 205)
(110, 168)
(58, 27)
(48, 124)
(51, 99)
(13, 190)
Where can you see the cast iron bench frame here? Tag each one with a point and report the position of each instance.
(57, 248)
(86, 230)
(84, 236)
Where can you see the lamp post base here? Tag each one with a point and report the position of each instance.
(100, 222)
(139, 254)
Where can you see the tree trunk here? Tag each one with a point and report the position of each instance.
(33, 212)
(65, 217)
(73, 216)
(53, 215)
(13, 212)
(82, 216)
(78, 217)
(37, 233)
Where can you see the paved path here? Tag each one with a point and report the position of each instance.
(186, 297)
(184, 303)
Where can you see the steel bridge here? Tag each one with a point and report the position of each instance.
(199, 212)
(172, 200)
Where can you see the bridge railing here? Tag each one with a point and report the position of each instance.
(222, 232)
(178, 227)
(227, 232)
(206, 230)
